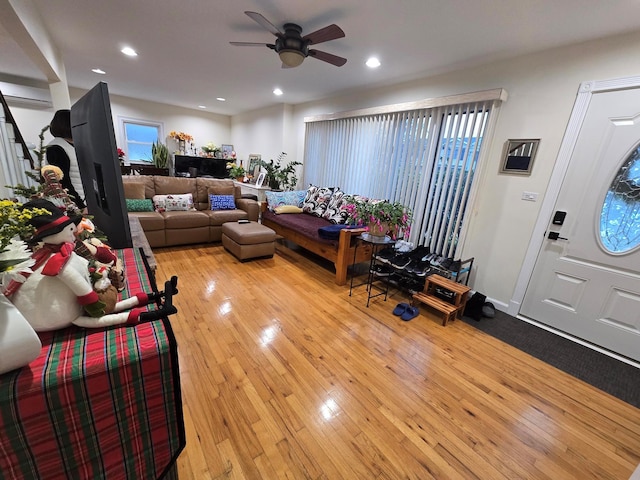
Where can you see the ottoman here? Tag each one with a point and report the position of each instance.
(248, 240)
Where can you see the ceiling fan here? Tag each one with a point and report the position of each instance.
(292, 47)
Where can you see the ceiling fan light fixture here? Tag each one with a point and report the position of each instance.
(291, 58)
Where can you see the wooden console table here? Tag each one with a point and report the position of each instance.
(451, 308)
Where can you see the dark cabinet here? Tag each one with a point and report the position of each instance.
(190, 166)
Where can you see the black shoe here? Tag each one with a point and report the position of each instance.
(446, 263)
(423, 268)
(400, 261)
(473, 308)
(419, 252)
(382, 270)
(386, 254)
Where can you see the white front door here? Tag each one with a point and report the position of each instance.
(587, 281)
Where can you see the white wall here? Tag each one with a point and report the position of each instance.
(266, 132)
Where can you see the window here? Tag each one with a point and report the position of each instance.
(138, 137)
(620, 216)
(424, 158)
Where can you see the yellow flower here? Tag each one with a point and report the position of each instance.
(181, 136)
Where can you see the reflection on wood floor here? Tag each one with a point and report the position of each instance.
(286, 376)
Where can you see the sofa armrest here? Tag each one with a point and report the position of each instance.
(250, 206)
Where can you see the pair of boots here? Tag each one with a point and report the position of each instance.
(477, 307)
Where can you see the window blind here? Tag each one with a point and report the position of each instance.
(424, 158)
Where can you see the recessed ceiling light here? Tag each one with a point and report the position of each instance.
(129, 52)
(202, 106)
(98, 70)
(277, 91)
(220, 99)
(373, 62)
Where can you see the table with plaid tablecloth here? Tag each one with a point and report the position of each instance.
(96, 403)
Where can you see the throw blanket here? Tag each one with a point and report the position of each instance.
(332, 232)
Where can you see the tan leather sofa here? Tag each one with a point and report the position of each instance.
(201, 225)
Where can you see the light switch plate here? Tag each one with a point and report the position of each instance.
(530, 196)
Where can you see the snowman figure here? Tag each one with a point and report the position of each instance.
(59, 292)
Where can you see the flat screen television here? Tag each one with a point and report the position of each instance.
(205, 167)
(97, 152)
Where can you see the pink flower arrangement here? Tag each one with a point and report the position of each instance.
(367, 212)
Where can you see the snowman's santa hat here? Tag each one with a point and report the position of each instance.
(47, 225)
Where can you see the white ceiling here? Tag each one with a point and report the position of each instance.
(185, 58)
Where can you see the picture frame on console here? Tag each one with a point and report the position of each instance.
(227, 150)
(252, 165)
(260, 179)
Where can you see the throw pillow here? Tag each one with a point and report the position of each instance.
(139, 204)
(307, 204)
(334, 211)
(159, 203)
(276, 199)
(321, 200)
(179, 203)
(287, 209)
(222, 202)
(169, 203)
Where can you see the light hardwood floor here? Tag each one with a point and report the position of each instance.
(286, 376)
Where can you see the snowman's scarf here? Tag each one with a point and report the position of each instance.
(55, 256)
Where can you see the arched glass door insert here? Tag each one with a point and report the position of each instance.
(620, 216)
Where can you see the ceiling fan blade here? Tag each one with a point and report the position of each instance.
(258, 18)
(252, 44)
(328, 57)
(330, 32)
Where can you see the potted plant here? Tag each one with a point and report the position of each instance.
(160, 154)
(280, 177)
(236, 171)
(380, 217)
(211, 150)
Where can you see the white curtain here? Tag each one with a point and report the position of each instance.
(423, 158)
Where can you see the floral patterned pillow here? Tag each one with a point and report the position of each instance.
(173, 203)
(277, 199)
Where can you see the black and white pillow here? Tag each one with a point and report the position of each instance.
(334, 211)
(321, 201)
(308, 204)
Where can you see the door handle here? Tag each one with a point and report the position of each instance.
(555, 236)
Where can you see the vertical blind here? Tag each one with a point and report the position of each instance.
(423, 158)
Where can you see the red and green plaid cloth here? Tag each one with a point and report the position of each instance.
(101, 403)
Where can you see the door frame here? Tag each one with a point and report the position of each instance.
(583, 99)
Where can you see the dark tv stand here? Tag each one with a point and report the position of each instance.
(144, 170)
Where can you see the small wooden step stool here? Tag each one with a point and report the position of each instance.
(450, 309)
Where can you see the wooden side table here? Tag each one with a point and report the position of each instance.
(450, 309)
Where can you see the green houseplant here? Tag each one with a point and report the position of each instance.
(381, 217)
(160, 155)
(279, 176)
(236, 171)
